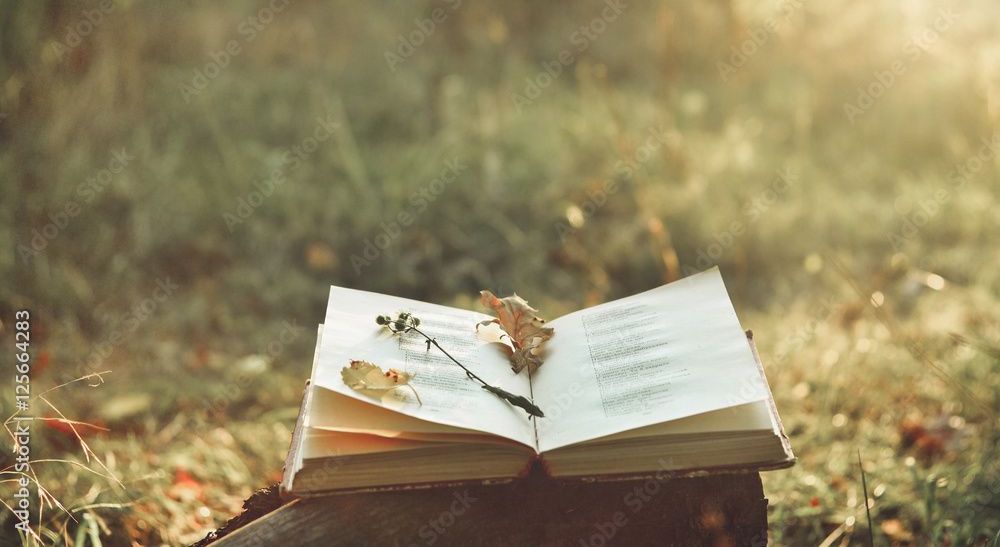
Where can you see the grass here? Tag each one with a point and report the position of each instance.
(869, 273)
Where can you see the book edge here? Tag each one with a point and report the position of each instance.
(679, 473)
(786, 444)
(293, 462)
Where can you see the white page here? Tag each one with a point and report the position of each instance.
(448, 396)
(664, 354)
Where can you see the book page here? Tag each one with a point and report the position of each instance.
(447, 395)
(664, 354)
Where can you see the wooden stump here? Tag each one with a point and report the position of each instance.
(727, 509)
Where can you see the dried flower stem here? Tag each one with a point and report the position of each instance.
(406, 322)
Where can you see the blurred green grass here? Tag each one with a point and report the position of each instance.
(202, 398)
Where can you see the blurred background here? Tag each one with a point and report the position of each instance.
(182, 182)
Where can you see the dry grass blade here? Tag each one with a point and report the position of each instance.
(46, 498)
(836, 534)
(983, 347)
(31, 531)
(868, 511)
(87, 451)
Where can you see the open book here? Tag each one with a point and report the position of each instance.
(662, 381)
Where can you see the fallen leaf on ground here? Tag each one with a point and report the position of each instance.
(185, 487)
(526, 331)
(896, 531)
(126, 405)
(73, 429)
(320, 256)
(932, 438)
(369, 377)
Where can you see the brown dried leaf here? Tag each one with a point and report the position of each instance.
(526, 330)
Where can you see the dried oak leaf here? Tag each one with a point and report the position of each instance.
(526, 331)
(369, 377)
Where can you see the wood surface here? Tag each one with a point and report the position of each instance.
(716, 510)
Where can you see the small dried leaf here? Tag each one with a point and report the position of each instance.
(526, 330)
(365, 376)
